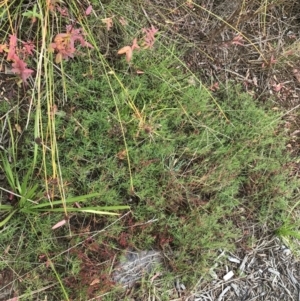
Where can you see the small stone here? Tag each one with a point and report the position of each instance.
(182, 286)
(233, 259)
(273, 272)
(286, 252)
(228, 276)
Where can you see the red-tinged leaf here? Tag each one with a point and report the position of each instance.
(123, 21)
(277, 87)
(272, 60)
(128, 51)
(88, 10)
(296, 73)
(48, 263)
(214, 87)
(289, 52)
(155, 276)
(3, 48)
(109, 23)
(53, 111)
(63, 11)
(12, 48)
(20, 68)
(28, 48)
(149, 37)
(129, 55)
(238, 40)
(95, 281)
(13, 299)
(64, 43)
(58, 58)
(59, 224)
(51, 47)
(135, 44)
(77, 205)
(122, 154)
(189, 4)
(87, 44)
(13, 40)
(18, 128)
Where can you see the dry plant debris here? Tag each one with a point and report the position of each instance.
(268, 272)
(248, 42)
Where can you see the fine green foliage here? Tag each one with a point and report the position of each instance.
(107, 133)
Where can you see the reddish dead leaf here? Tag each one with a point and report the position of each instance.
(12, 48)
(88, 10)
(59, 224)
(154, 277)
(296, 73)
(135, 44)
(53, 111)
(214, 87)
(64, 43)
(149, 37)
(272, 60)
(48, 263)
(139, 72)
(289, 52)
(20, 68)
(109, 23)
(122, 154)
(189, 4)
(62, 10)
(237, 40)
(28, 48)
(13, 299)
(18, 128)
(51, 4)
(128, 51)
(58, 58)
(254, 80)
(3, 48)
(77, 205)
(95, 281)
(123, 21)
(6, 250)
(277, 87)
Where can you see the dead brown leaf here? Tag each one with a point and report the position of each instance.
(109, 22)
(128, 51)
(95, 281)
(296, 73)
(122, 154)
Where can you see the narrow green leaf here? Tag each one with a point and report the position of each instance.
(106, 208)
(8, 171)
(71, 209)
(81, 198)
(5, 207)
(100, 212)
(3, 222)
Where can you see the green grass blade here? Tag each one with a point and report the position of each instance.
(82, 198)
(5, 207)
(4, 221)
